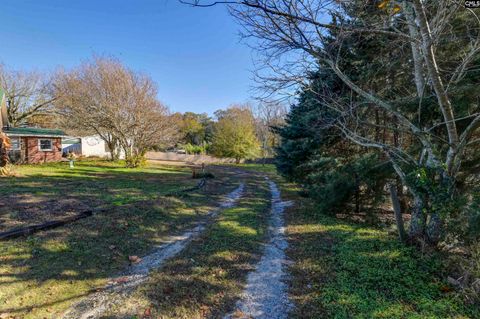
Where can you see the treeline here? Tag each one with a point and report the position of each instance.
(388, 96)
(239, 132)
(104, 97)
(388, 107)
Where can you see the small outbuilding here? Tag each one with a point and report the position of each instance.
(34, 145)
(95, 146)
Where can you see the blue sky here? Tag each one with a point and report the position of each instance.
(194, 54)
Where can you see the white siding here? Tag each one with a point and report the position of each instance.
(95, 146)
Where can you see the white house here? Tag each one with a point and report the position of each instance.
(88, 146)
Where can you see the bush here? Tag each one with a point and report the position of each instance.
(195, 149)
(134, 161)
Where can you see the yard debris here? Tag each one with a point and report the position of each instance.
(134, 259)
(454, 282)
(121, 280)
(200, 185)
(147, 312)
(24, 231)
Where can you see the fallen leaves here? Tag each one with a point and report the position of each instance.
(147, 312)
(134, 259)
(446, 289)
(121, 280)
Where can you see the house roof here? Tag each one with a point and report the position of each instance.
(71, 140)
(32, 131)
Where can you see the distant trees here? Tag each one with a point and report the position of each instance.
(194, 127)
(268, 115)
(196, 132)
(240, 132)
(106, 98)
(234, 134)
(27, 93)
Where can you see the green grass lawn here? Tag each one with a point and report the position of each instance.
(339, 269)
(96, 180)
(44, 273)
(344, 270)
(268, 169)
(207, 278)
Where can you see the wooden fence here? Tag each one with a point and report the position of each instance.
(196, 159)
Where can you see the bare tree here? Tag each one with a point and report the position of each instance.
(119, 105)
(27, 94)
(268, 116)
(303, 29)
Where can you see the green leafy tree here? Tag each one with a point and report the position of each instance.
(234, 134)
(194, 127)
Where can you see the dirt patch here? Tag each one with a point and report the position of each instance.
(26, 209)
(376, 217)
(174, 163)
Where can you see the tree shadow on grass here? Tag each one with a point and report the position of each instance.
(37, 198)
(73, 260)
(347, 270)
(207, 278)
(52, 269)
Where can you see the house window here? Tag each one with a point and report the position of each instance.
(45, 145)
(15, 141)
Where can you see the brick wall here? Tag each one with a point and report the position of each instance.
(34, 155)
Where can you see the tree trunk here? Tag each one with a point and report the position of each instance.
(128, 156)
(114, 154)
(4, 145)
(401, 196)
(418, 218)
(357, 195)
(437, 83)
(416, 50)
(434, 229)
(397, 209)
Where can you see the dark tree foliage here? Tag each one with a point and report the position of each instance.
(334, 171)
(313, 153)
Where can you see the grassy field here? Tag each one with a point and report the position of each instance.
(338, 270)
(43, 274)
(43, 192)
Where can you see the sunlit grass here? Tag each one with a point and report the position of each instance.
(344, 270)
(43, 274)
(206, 280)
